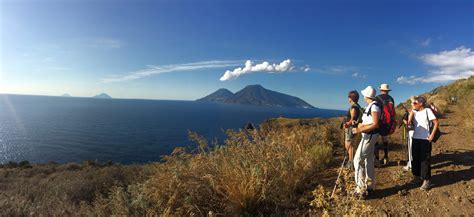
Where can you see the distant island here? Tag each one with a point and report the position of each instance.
(256, 95)
(103, 96)
(66, 95)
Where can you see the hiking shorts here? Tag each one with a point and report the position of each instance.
(348, 136)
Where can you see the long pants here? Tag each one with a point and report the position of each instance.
(410, 155)
(421, 165)
(364, 162)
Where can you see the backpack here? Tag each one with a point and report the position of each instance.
(361, 112)
(437, 134)
(387, 123)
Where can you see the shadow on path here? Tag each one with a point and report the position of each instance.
(446, 177)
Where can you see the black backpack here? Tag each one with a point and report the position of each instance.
(437, 134)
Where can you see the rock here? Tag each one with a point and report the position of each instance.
(403, 192)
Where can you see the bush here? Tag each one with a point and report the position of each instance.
(254, 173)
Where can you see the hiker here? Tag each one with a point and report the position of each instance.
(409, 135)
(364, 156)
(353, 117)
(453, 100)
(421, 142)
(388, 107)
(434, 109)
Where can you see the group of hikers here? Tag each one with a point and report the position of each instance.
(378, 120)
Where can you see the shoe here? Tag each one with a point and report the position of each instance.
(416, 181)
(360, 195)
(426, 185)
(407, 168)
(385, 161)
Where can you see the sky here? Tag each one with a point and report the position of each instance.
(184, 50)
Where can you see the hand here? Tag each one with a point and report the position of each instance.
(430, 138)
(355, 130)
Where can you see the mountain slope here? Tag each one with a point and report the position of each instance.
(258, 95)
(219, 96)
(103, 96)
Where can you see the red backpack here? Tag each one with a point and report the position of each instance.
(387, 123)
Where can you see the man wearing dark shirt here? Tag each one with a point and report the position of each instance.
(383, 97)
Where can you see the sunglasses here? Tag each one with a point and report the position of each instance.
(414, 103)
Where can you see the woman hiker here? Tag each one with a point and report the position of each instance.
(351, 120)
(365, 156)
(421, 142)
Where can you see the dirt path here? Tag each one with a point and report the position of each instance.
(452, 177)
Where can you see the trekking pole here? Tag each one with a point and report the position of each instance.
(405, 140)
(339, 175)
(340, 171)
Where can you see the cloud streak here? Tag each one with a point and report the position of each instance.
(266, 67)
(446, 66)
(156, 70)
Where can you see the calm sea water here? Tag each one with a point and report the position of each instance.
(43, 128)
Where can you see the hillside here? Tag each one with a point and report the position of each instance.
(256, 95)
(286, 167)
(220, 95)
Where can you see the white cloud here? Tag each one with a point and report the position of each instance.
(155, 70)
(359, 75)
(250, 67)
(447, 66)
(305, 68)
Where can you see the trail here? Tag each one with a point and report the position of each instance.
(452, 176)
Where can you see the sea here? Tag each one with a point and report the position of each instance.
(41, 129)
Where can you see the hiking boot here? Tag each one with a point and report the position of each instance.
(426, 185)
(416, 181)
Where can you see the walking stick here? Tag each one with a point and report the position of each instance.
(340, 169)
(339, 175)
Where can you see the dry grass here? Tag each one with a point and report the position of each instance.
(254, 173)
(60, 189)
(343, 203)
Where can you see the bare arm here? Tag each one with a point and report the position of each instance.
(410, 117)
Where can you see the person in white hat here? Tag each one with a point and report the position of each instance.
(364, 156)
(385, 99)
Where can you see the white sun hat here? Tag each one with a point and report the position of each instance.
(385, 87)
(368, 92)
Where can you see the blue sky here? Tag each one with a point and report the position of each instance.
(182, 49)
